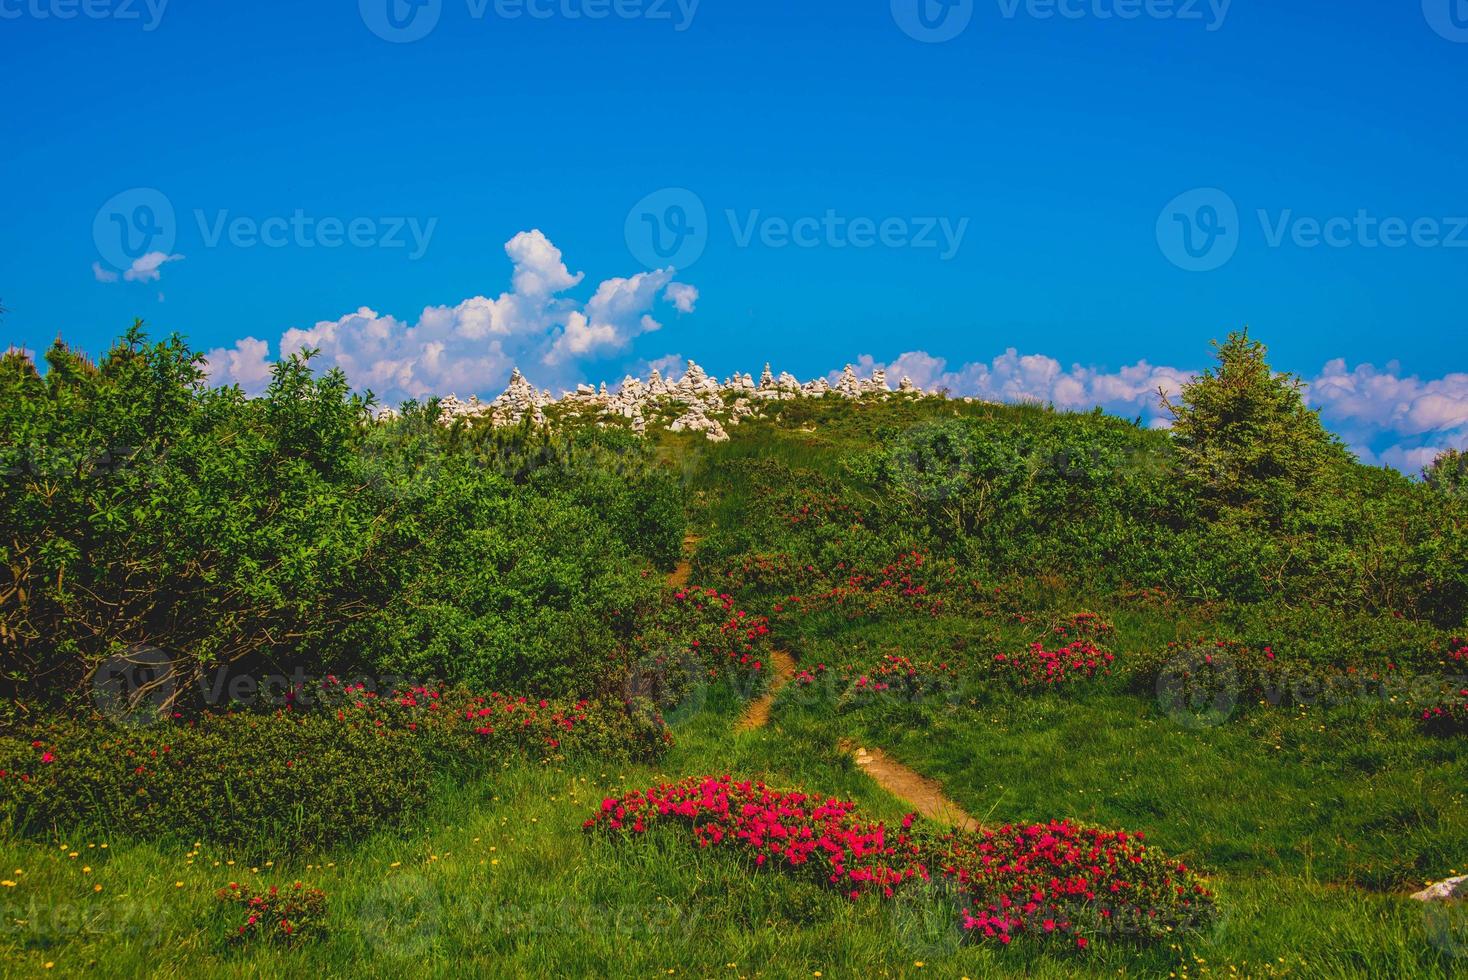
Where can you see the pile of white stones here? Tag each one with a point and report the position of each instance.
(700, 399)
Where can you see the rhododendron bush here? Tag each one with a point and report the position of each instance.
(1448, 717)
(817, 836)
(1055, 881)
(1037, 667)
(336, 770)
(698, 636)
(1064, 880)
(287, 916)
(913, 582)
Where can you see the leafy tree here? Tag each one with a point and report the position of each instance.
(1244, 437)
(1449, 473)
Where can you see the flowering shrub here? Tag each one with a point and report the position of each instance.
(819, 837)
(815, 508)
(913, 583)
(898, 678)
(1062, 880)
(287, 917)
(1037, 667)
(1084, 626)
(1450, 717)
(458, 727)
(697, 636)
(294, 776)
(1050, 881)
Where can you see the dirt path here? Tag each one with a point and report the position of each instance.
(757, 715)
(923, 794)
(679, 576)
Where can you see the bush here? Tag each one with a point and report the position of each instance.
(292, 777)
(284, 779)
(286, 917)
(144, 508)
(1049, 881)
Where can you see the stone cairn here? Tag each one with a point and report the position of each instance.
(697, 402)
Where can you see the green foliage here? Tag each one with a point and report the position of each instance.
(1244, 437)
(1448, 473)
(142, 506)
(354, 762)
(283, 779)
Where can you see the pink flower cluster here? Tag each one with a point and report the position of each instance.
(1448, 717)
(1037, 667)
(723, 633)
(792, 831)
(1061, 879)
(448, 710)
(1056, 880)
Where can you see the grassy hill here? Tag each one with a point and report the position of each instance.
(1199, 693)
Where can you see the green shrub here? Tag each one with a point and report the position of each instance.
(284, 779)
(353, 762)
(285, 916)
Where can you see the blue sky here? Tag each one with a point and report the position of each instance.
(1079, 180)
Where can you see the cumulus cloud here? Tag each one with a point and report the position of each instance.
(470, 347)
(102, 274)
(1387, 418)
(1390, 418)
(1016, 377)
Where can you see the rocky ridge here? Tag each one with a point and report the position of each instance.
(702, 403)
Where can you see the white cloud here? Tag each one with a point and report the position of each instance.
(1015, 377)
(103, 274)
(617, 313)
(669, 366)
(1371, 407)
(682, 296)
(1386, 418)
(246, 364)
(469, 348)
(146, 269)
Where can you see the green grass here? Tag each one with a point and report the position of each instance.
(498, 878)
(1313, 824)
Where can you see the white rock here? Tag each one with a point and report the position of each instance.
(1449, 890)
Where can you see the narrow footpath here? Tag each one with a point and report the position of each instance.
(924, 795)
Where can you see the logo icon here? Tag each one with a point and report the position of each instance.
(400, 21)
(1449, 18)
(401, 915)
(933, 21)
(1199, 687)
(669, 227)
(135, 687)
(673, 680)
(1199, 231)
(132, 224)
